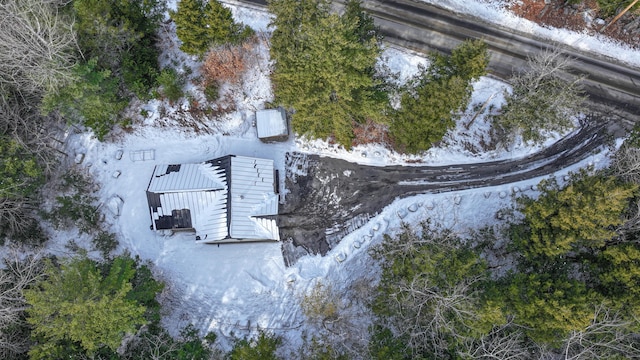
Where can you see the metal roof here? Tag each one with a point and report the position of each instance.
(253, 198)
(244, 208)
(185, 177)
(271, 123)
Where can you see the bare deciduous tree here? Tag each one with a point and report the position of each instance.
(21, 120)
(434, 307)
(506, 342)
(544, 98)
(20, 272)
(37, 45)
(433, 315)
(625, 164)
(13, 213)
(608, 336)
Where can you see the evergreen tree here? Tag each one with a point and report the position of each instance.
(21, 174)
(78, 306)
(324, 69)
(201, 25)
(120, 34)
(618, 272)
(365, 29)
(191, 26)
(91, 99)
(549, 305)
(432, 100)
(221, 28)
(262, 348)
(582, 215)
(426, 114)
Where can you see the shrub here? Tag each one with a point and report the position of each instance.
(211, 92)
(76, 206)
(321, 304)
(171, 83)
(105, 242)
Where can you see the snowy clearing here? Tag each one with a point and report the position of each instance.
(240, 288)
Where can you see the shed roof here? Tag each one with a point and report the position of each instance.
(271, 123)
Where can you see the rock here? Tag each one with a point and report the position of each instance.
(114, 205)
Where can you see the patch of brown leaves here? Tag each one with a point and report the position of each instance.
(371, 132)
(228, 62)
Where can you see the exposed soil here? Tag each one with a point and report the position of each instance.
(585, 16)
(329, 198)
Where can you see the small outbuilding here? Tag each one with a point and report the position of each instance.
(272, 124)
(228, 199)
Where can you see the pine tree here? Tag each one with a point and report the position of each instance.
(323, 70)
(201, 25)
(433, 99)
(191, 26)
(549, 306)
(76, 304)
(581, 215)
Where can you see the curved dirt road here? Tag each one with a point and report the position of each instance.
(334, 196)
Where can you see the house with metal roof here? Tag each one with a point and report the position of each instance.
(272, 124)
(228, 199)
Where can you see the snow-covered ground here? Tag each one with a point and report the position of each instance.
(242, 287)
